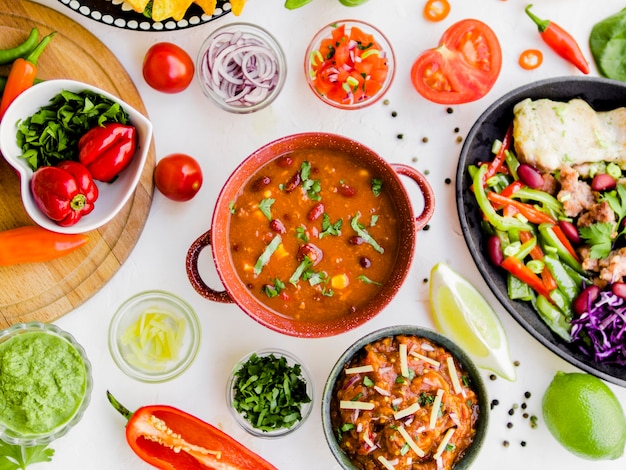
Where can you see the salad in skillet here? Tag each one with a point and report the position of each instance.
(553, 200)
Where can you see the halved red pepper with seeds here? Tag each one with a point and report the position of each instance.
(171, 439)
(107, 150)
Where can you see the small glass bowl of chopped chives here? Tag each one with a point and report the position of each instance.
(270, 393)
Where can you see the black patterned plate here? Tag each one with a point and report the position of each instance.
(115, 13)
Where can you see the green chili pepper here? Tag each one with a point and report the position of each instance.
(518, 290)
(553, 317)
(22, 50)
(565, 283)
(561, 301)
(498, 221)
(547, 200)
(550, 238)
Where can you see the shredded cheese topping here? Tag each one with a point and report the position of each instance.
(404, 361)
(425, 358)
(386, 463)
(435, 411)
(444, 442)
(409, 440)
(409, 410)
(359, 369)
(356, 405)
(454, 376)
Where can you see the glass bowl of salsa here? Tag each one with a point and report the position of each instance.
(270, 393)
(46, 383)
(401, 396)
(349, 64)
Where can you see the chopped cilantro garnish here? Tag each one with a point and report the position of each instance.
(272, 290)
(377, 186)
(601, 235)
(360, 230)
(367, 280)
(269, 393)
(301, 234)
(265, 207)
(305, 264)
(329, 228)
(267, 254)
(311, 187)
(367, 381)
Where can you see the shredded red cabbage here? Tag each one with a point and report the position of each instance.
(600, 332)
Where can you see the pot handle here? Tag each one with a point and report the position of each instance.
(427, 192)
(193, 273)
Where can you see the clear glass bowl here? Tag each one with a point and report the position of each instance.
(74, 411)
(305, 408)
(254, 45)
(153, 370)
(313, 55)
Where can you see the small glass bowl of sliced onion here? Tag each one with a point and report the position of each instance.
(349, 64)
(154, 336)
(241, 67)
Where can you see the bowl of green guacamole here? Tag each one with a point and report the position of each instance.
(45, 383)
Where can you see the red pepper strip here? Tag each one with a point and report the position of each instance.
(518, 269)
(171, 439)
(22, 75)
(532, 215)
(64, 192)
(560, 41)
(537, 253)
(512, 188)
(565, 241)
(107, 150)
(498, 164)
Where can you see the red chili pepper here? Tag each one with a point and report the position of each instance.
(498, 164)
(65, 192)
(171, 439)
(22, 75)
(107, 150)
(518, 269)
(560, 41)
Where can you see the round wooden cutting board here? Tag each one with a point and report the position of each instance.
(46, 291)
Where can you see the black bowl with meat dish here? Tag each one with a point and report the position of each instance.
(602, 95)
(404, 395)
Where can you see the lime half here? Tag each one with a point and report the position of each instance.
(462, 313)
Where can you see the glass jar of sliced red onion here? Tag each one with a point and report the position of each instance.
(241, 67)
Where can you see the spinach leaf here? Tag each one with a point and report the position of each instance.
(607, 42)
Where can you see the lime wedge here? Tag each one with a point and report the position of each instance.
(462, 313)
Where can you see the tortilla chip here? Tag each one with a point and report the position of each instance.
(163, 9)
(138, 5)
(208, 6)
(237, 6)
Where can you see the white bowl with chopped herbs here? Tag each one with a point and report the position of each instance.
(270, 393)
(33, 136)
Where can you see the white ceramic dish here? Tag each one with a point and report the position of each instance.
(112, 196)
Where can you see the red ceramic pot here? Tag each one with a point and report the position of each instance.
(218, 237)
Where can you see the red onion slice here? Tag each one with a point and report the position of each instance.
(240, 68)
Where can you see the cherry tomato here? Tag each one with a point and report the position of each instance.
(463, 68)
(436, 10)
(178, 176)
(167, 68)
(530, 59)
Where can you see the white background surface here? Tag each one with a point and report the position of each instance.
(189, 123)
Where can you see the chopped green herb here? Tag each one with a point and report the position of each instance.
(15, 457)
(301, 234)
(231, 207)
(367, 280)
(51, 135)
(361, 232)
(265, 207)
(311, 187)
(305, 264)
(367, 381)
(347, 427)
(329, 228)
(374, 220)
(272, 290)
(425, 399)
(404, 449)
(269, 393)
(267, 254)
(601, 235)
(377, 186)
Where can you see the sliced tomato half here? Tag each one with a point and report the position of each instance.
(463, 68)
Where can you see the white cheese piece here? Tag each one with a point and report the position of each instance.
(404, 362)
(386, 463)
(425, 359)
(359, 369)
(454, 376)
(444, 442)
(409, 440)
(409, 410)
(356, 405)
(435, 411)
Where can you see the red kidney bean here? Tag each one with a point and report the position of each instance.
(285, 161)
(494, 250)
(603, 182)
(585, 299)
(347, 191)
(312, 252)
(530, 176)
(293, 182)
(570, 231)
(316, 212)
(619, 289)
(365, 262)
(277, 226)
(356, 240)
(260, 183)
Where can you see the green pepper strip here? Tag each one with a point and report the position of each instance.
(547, 200)
(553, 317)
(551, 239)
(517, 268)
(501, 223)
(22, 50)
(565, 283)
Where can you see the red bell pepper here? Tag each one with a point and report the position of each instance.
(107, 150)
(65, 192)
(518, 269)
(533, 215)
(170, 439)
